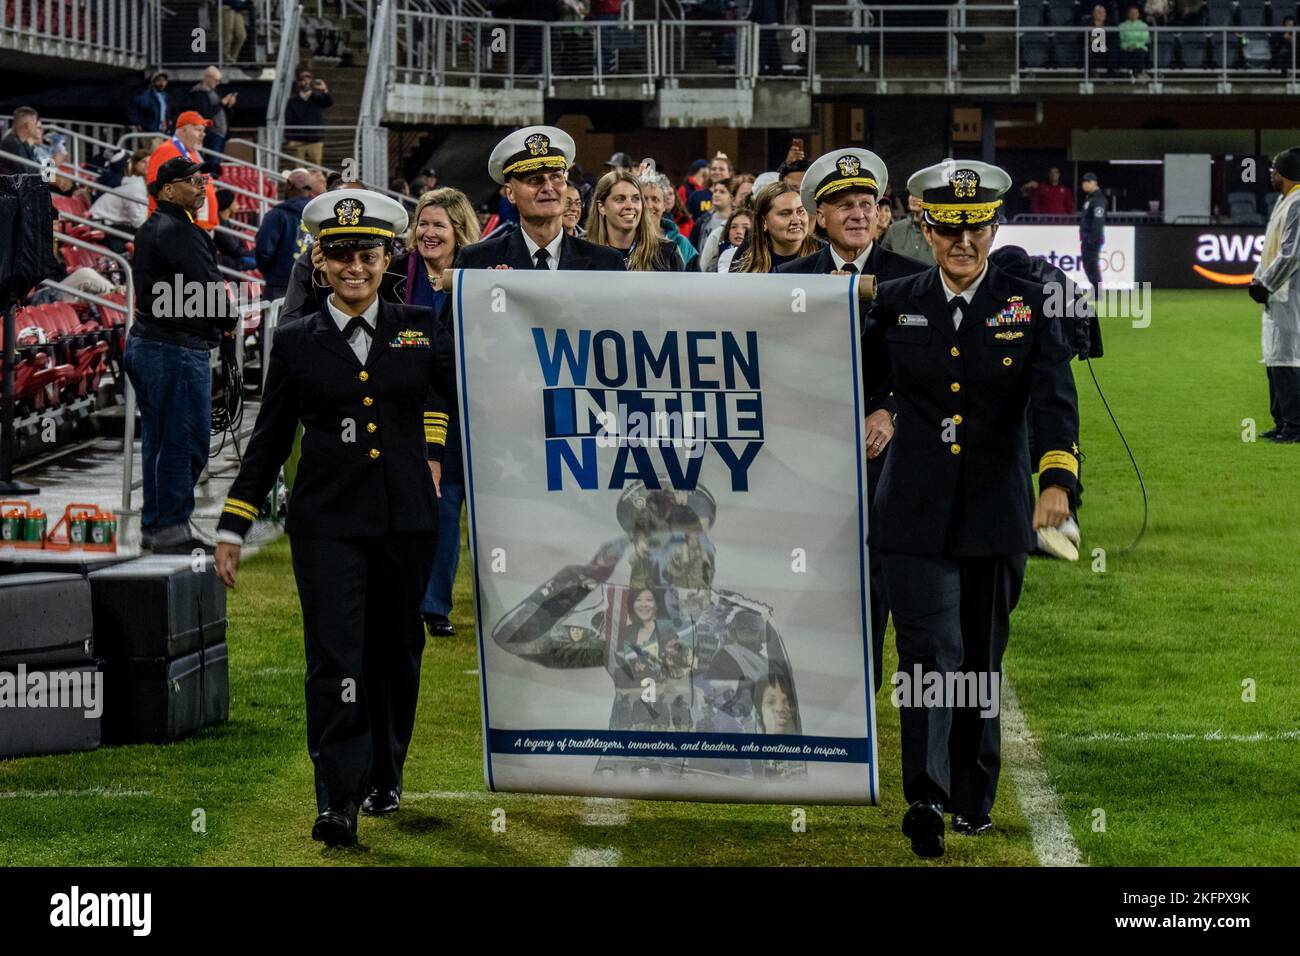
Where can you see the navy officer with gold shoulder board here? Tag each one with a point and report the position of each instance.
(363, 377)
(842, 189)
(961, 353)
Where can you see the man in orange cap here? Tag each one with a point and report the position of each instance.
(190, 129)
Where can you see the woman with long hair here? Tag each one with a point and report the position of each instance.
(780, 231)
(444, 222)
(618, 219)
(734, 236)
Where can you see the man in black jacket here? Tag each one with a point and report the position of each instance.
(961, 354)
(531, 163)
(842, 189)
(182, 309)
(303, 118)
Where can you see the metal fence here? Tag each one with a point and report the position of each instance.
(883, 47)
(118, 32)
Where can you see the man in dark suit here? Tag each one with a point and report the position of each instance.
(363, 376)
(959, 354)
(531, 164)
(842, 188)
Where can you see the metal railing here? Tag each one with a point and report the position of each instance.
(117, 32)
(370, 146)
(286, 63)
(883, 47)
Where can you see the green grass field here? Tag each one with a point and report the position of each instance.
(1131, 681)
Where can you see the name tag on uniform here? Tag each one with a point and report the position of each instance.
(913, 320)
(1015, 312)
(410, 339)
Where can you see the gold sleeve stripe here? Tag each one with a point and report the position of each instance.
(1059, 459)
(433, 436)
(436, 416)
(241, 509)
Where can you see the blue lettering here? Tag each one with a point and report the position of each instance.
(644, 469)
(732, 357)
(695, 359)
(739, 467)
(645, 358)
(560, 452)
(602, 372)
(550, 360)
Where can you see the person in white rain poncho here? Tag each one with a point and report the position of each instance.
(1276, 286)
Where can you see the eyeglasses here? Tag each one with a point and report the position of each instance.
(573, 203)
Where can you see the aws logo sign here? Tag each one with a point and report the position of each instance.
(1227, 259)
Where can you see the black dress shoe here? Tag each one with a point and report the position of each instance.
(1286, 438)
(335, 828)
(971, 825)
(379, 802)
(438, 626)
(1271, 433)
(923, 822)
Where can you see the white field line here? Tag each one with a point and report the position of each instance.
(1053, 842)
(600, 812)
(94, 792)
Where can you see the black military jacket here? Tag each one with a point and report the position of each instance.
(377, 483)
(881, 263)
(507, 248)
(957, 479)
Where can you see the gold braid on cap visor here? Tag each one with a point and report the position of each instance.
(837, 184)
(355, 230)
(961, 214)
(541, 162)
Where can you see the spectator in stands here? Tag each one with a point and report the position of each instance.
(791, 172)
(167, 352)
(745, 189)
(1283, 46)
(427, 181)
(1157, 12)
(780, 232)
(619, 163)
(573, 212)
(281, 237)
(659, 199)
(884, 217)
(204, 100)
(1051, 198)
(1099, 60)
(55, 154)
(767, 13)
(304, 118)
(150, 112)
(400, 186)
(905, 236)
(1134, 44)
(232, 252)
(607, 10)
(234, 27)
(700, 202)
(190, 129)
(735, 235)
(724, 203)
(619, 219)
(695, 180)
(128, 207)
(25, 134)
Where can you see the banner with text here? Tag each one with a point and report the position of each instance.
(666, 494)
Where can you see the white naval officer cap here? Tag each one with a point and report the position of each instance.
(843, 169)
(764, 179)
(354, 218)
(959, 192)
(530, 149)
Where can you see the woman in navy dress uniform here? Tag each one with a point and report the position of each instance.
(959, 355)
(364, 378)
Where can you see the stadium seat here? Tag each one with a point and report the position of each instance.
(71, 204)
(1250, 13)
(1220, 13)
(1033, 51)
(1244, 208)
(1191, 45)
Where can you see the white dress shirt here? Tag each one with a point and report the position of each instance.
(360, 340)
(968, 295)
(859, 263)
(552, 247)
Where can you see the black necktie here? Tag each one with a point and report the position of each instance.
(955, 303)
(540, 259)
(357, 322)
(849, 267)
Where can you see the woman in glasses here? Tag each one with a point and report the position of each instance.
(361, 375)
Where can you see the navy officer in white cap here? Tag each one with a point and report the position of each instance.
(961, 353)
(532, 164)
(362, 376)
(842, 188)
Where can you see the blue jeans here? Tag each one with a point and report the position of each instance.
(437, 596)
(173, 390)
